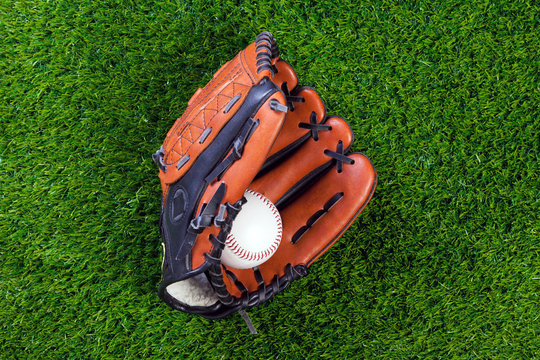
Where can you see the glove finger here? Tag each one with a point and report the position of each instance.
(300, 168)
(285, 77)
(312, 223)
(318, 218)
(309, 109)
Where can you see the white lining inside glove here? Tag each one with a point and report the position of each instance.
(194, 291)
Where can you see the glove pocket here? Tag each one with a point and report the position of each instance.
(318, 191)
(304, 120)
(312, 223)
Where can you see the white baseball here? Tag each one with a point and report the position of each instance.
(255, 234)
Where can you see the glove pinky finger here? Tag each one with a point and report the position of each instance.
(315, 220)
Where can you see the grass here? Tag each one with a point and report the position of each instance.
(443, 96)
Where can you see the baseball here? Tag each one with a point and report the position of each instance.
(255, 234)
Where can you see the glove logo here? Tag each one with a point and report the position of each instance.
(178, 204)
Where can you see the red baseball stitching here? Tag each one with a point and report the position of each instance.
(242, 253)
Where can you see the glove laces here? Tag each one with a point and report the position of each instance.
(339, 156)
(314, 127)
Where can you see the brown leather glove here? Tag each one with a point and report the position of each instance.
(252, 127)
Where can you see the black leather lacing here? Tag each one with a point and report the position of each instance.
(291, 99)
(277, 106)
(263, 293)
(158, 159)
(314, 127)
(207, 214)
(339, 156)
(262, 286)
(236, 152)
(278, 284)
(218, 242)
(244, 298)
(315, 217)
(267, 50)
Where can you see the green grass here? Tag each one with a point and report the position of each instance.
(443, 96)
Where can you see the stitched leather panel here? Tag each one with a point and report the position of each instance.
(206, 110)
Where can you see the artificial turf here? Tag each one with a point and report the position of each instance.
(442, 96)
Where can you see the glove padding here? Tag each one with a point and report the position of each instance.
(234, 135)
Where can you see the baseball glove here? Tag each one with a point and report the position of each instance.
(252, 127)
